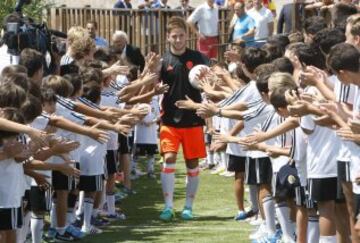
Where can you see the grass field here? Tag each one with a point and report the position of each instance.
(214, 210)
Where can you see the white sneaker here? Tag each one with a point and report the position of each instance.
(256, 221)
(219, 170)
(229, 174)
(91, 231)
(259, 233)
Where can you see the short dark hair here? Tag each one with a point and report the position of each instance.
(340, 12)
(281, 40)
(327, 38)
(12, 95)
(263, 73)
(253, 57)
(314, 24)
(48, 96)
(283, 64)
(11, 114)
(91, 74)
(32, 60)
(309, 55)
(31, 108)
(277, 98)
(105, 55)
(13, 69)
(77, 82)
(344, 56)
(93, 22)
(92, 92)
(59, 85)
(20, 79)
(273, 51)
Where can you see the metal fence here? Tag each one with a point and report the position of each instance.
(145, 28)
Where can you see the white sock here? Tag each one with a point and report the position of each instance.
(80, 209)
(223, 159)
(192, 184)
(150, 163)
(70, 216)
(103, 197)
(269, 212)
(313, 231)
(37, 226)
(23, 231)
(53, 218)
(95, 212)
(168, 183)
(253, 195)
(134, 162)
(110, 199)
(88, 208)
(283, 215)
(217, 158)
(328, 239)
(61, 230)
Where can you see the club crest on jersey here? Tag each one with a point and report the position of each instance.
(189, 64)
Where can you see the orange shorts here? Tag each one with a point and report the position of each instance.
(191, 139)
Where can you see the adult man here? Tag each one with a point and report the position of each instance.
(184, 7)
(204, 22)
(127, 52)
(179, 126)
(244, 26)
(92, 27)
(264, 22)
(126, 4)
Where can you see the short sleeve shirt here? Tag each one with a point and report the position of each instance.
(242, 26)
(262, 18)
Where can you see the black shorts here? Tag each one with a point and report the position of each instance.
(26, 201)
(301, 197)
(111, 162)
(208, 138)
(40, 199)
(146, 149)
(63, 182)
(343, 169)
(323, 189)
(11, 218)
(236, 163)
(124, 146)
(258, 171)
(91, 183)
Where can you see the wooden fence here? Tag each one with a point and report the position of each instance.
(145, 28)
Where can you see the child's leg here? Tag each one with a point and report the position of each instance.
(150, 163)
(327, 221)
(301, 224)
(239, 190)
(267, 204)
(342, 223)
(88, 209)
(61, 209)
(37, 226)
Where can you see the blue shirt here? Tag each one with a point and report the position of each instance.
(100, 42)
(242, 26)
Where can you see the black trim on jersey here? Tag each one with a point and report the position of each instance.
(88, 103)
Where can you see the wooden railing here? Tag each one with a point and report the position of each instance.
(145, 28)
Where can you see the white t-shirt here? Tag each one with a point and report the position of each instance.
(207, 19)
(354, 147)
(65, 108)
(12, 183)
(148, 134)
(345, 94)
(40, 123)
(321, 150)
(250, 95)
(298, 154)
(262, 18)
(92, 157)
(109, 98)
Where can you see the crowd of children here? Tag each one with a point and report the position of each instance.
(283, 119)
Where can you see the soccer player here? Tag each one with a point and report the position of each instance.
(180, 126)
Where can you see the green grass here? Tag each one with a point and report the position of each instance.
(214, 210)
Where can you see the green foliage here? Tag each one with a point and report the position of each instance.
(34, 10)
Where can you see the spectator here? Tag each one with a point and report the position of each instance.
(244, 26)
(92, 27)
(127, 52)
(161, 4)
(264, 22)
(204, 22)
(284, 24)
(184, 7)
(126, 4)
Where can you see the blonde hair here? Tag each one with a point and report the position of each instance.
(82, 47)
(279, 80)
(75, 33)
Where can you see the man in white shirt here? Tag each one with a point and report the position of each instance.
(264, 22)
(204, 22)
